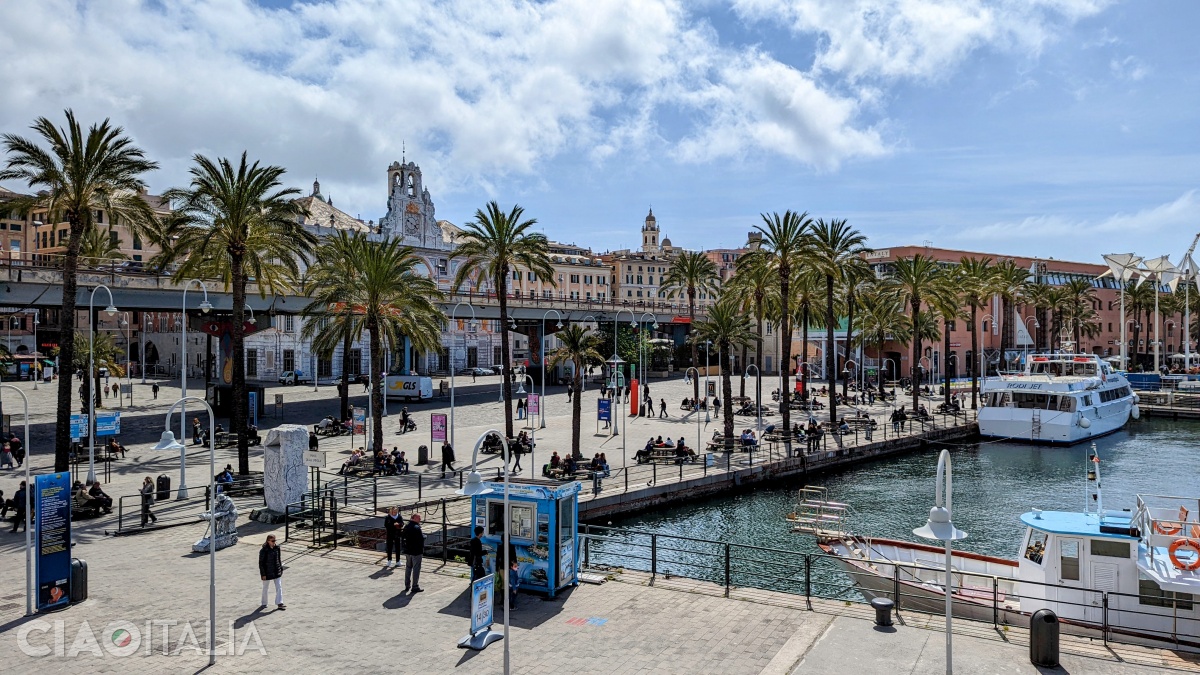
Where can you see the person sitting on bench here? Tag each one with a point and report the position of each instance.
(354, 461)
(115, 448)
(569, 466)
(683, 452)
(225, 478)
(555, 460)
(83, 500)
(98, 494)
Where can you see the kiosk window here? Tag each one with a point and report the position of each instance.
(566, 519)
(521, 519)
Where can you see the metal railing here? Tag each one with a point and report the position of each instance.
(1108, 615)
(171, 512)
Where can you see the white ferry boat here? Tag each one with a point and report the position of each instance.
(1059, 399)
(1127, 576)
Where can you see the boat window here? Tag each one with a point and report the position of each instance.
(1087, 400)
(1036, 547)
(1027, 400)
(1150, 593)
(1066, 404)
(1068, 557)
(1005, 398)
(1110, 548)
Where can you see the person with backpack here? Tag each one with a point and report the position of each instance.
(270, 568)
(414, 549)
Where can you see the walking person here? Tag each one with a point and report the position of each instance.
(447, 457)
(147, 499)
(197, 432)
(270, 568)
(475, 555)
(154, 390)
(570, 391)
(662, 408)
(393, 525)
(20, 504)
(6, 457)
(414, 549)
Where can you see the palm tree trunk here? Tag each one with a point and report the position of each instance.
(344, 388)
(946, 361)
(727, 402)
(240, 398)
(376, 389)
(785, 336)
(804, 352)
(830, 349)
(849, 334)
(745, 349)
(576, 408)
(975, 357)
(66, 347)
(505, 352)
(695, 347)
(916, 354)
(758, 344)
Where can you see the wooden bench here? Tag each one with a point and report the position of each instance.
(663, 455)
(228, 439)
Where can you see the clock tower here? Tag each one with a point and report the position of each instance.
(410, 214)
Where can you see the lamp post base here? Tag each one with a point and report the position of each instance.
(479, 641)
(182, 493)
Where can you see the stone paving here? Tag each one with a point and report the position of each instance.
(346, 613)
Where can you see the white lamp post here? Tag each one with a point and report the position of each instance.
(182, 493)
(168, 442)
(707, 367)
(142, 351)
(36, 356)
(614, 363)
(941, 528)
(542, 346)
(452, 368)
(695, 404)
(128, 373)
(30, 587)
(583, 380)
(474, 486)
(111, 310)
(642, 342)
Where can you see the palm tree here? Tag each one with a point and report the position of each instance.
(729, 328)
(581, 347)
(1008, 279)
(392, 301)
(1139, 299)
(79, 175)
(805, 293)
(234, 223)
(104, 353)
(913, 279)
(1042, 297)
(945, 302)
(1080, 294)
(785, 244)
(882, 319)
(492, 246)
(98, 247)
(331, 316)
(856, 277)
(691, 272)
(975, 283)
(833, 246)
(753, 285)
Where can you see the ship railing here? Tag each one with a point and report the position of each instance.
(763, 573)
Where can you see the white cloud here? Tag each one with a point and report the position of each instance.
(1129, 68)
(916, 38)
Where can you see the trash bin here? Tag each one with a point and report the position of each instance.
(883, 611)
(1043, 639)
(423, 455)
(79, 580)
(163, 488)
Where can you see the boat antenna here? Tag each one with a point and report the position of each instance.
(1093, 476)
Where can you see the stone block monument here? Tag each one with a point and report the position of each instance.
(285, 477)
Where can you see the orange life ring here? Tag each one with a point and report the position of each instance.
(1162, 529)
(1184, 543)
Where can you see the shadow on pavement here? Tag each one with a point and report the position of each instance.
(531, 610)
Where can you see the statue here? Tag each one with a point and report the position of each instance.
(223, 521)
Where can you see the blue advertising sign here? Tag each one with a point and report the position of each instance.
(52, 513)
(79, 426)
(254, 408)
(604, 409)
(481, 602)
(108, 424)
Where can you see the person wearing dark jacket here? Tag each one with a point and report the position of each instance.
(393, 525)
(475, 557)
(20, 503)
(447, 456)
(414, 548)
(270, 568)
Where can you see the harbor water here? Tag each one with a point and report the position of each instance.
(994, 483)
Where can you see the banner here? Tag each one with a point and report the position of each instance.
(711, 388)
(566, 561)
(360, 421)
(437, 427)
(254, 408)
(534, 402)
(52, 511)
(108, 423)
(79, 426)
(604, 409)
(634, 394)
(481, 602)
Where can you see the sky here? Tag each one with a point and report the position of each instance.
(1061, 128)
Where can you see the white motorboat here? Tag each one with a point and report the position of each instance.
(1058, 399)
(1128, 576)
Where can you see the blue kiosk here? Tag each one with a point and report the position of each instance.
(543, 527)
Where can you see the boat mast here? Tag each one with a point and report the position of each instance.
(1093, 476)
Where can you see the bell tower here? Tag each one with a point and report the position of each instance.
(650, 234)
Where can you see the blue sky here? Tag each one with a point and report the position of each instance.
(1040, 127)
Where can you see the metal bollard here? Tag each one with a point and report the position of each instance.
(883, 611)
(1043, 639)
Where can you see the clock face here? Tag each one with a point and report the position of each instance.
(412, 223)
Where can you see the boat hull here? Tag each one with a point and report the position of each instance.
(1055, 428)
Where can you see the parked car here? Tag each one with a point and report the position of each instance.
(294, 377)
(476, 371)
(497, 370)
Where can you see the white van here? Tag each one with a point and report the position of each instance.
(408, 387)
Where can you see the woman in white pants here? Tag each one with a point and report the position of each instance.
(270, 568)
